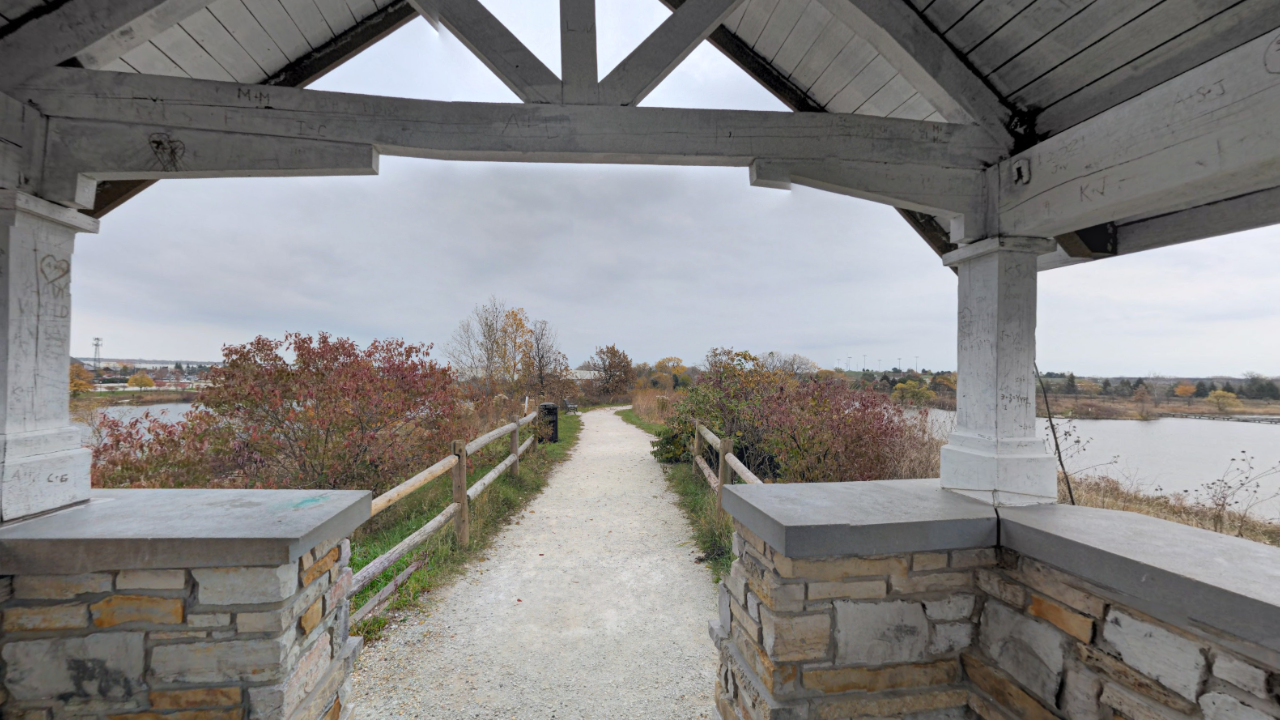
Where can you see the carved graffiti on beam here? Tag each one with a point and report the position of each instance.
(168, 152)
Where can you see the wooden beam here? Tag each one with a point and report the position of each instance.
(579, 72)
(1237, 214)
(56, 32)
(922, 188)
(909, 44)
(650, 63)
(496, 46)
(1204, 136)
(503, 132)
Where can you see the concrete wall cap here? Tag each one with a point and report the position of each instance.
(879, 517)
(155, 529)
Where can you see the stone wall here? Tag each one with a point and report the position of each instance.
(980, 632)
(209, 643)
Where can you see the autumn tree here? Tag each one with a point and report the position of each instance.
(1224, 400)
(1185, 390)
(141, 380)
(547, 366)
(911, 392)
(1142, 396)
(613, 371)
(490, 346)
(80, 380)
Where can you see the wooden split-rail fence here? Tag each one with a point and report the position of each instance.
(728, 466)
(459, 511)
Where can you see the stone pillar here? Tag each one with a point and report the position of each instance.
(42, 465)
(995, 453)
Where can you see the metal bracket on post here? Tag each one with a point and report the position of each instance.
(726, 473)
(515, 445)
(461, 521)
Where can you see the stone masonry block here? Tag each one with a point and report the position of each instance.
(1136, 707)
(311, 617)
(70, 616)
(1241, 674)
(219, 662)
(777, 679)
(119, 609)
(883, 633)
(1032, 652)
(955, 607)
(1077, 625)
(247, 585)
(933, 582)
(893, 677)
(890, 705)
(101, 666)
(1109, 667)
(151, 580)
(59, 587)
(221, 714)
(841, 568)
(928, 561)
(995, 585)
(794, 638)
(337, 593)
(1080, 690)
(950, 637)
(737, 582)
(753, 606)
(1004, 691)
(195, 698)
(209, 620)
(773, 592)
(321, 566)
(1218, 706)
(1059, 586)
(1172, 660)
(304, 678)
(977, 557)
(748, 624)
(851, 590)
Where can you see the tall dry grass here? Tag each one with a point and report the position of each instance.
(655, 406)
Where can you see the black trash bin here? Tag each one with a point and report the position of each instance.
(550, 415)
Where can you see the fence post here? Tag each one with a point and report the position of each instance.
(726, 473)
(515, 446)
(461, 521)
(697, 440)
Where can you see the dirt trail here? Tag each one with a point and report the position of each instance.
(590, 608)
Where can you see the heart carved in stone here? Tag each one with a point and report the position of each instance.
(54, 269)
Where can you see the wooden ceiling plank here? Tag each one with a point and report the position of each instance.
(983, 21)
(118, 65)
(833, 38)
(731, 23)
(806, 32)
(214, 38)
(888, 98)
(337, 15)
(1224, 32)
(361, 9)
(282, 29)
(943, 14)
(194, 60)
(915, 108)
(1146, 32)
(754, 20)
(15, 9)
(780, 25)
(148, 59)
(310, 21)
(852, 60)
(874, 76)
(1020, 33)
(250, 34)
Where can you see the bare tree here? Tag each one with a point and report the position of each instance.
(614, 371)
(791, 363)
(490, 346)
(548, 366)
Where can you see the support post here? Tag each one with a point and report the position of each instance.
(697, 440)
(461, 521)
(726, 473)
(42, 464)
(995, 453)
(515, 445)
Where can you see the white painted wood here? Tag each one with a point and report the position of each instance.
(754, 19)
(495, 46)
(1167, 20)
(1021, 32)
(337, 14)
(214, 38)
(834, 37)
(995, 453)
(937, 191)
(102, 151)
(118, 66)
(1082, 30)
(310, 21)
(943, 14)
(362, 9)
(936, 117)
(283, 30)
(888, 98)
(915, 108)
(1205, 136)
(578, 65)
(1237, 214)
(249, 34)
(802, 38)
(650, 63)
(731, 22)
(779, 27)
(1223, 32)
(187, 54)
(903, 37)
(15, 9)
(852, 60)
(147, 58)
(867, 83)
(77, 26)
(982, 21)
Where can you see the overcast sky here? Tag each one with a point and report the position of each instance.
(659, 260)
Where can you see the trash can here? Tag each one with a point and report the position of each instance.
(549, 413)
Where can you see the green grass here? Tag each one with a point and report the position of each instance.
(445, 557)
(713, 535)
(630, 416)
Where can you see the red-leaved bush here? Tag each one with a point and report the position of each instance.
(334, 416)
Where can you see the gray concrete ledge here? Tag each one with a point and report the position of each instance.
(141, 529)
(1180, 574)
(861, 518)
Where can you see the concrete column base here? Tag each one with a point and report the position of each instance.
(1005, 473)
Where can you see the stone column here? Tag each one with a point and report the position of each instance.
(995, 453)
(42, 463)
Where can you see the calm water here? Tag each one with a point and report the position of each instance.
(171, 411)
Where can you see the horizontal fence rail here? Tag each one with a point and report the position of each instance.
(729, 466)
(458, 511)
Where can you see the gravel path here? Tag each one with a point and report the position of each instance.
(590, 607)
